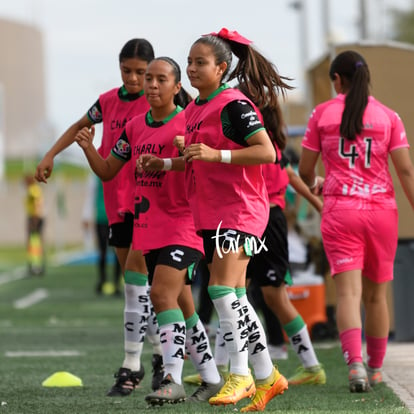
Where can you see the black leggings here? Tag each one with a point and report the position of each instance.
(102, 231)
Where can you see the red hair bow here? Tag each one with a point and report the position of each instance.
(231, 35)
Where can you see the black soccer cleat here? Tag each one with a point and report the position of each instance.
(126, 382)
(157, 371)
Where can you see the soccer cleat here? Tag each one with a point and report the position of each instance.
(168, 393)
(157, 371)
(126, 382)
(224, 371)
(265, 391)
(312, 375)
(235, 388)
(374, 376)
(205, 391)
(358, 379)
(196, 379)
(278, 352)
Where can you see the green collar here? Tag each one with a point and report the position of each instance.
(151, 122)
(125, 96)
(224, 86)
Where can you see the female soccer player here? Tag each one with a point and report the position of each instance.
(114, 108)
(355, 133)
(225, 143)
(172, 249)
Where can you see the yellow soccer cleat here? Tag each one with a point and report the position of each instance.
(266, 390)
(311, 376)
(235, 388)
(196, 379)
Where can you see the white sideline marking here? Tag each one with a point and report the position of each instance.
(17, 354)
(12, 275)
(31, 299)
(326, 345)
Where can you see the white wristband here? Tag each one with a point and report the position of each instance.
(167, 164)
(226, 156)
(315, 183)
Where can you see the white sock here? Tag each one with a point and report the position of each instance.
(258, 352)
(172, 337)
(221, 354)
(230, 316)
(303, 347)
(136, 312)
(153, 331)
(198, 348)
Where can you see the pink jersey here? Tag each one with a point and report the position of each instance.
(115, 114)
(277, 180)
(233, 195)
(356, 172)
(162, 213)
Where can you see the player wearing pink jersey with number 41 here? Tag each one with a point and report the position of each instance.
(355, 134)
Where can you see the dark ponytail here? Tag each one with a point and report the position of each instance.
(272, 120)
(183, 98)
(257, 76)
(264, 85)
(354, 74)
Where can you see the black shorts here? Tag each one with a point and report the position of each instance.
(120, 234)
(271, 267)
(176, 256)
(227, 241)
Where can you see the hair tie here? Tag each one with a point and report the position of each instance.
(230, 35)
(358, 64)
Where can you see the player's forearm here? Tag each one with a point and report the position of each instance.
(98, 165)
(64, 141)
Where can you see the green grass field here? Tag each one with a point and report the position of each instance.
(17, 168)
(72, 320)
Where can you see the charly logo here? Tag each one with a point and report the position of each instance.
(345, 260)
(228, 242)
(177, 255)
(271, 275)
(142, 205)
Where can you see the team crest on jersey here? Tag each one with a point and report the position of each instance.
(122, 147)
(95, 114)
